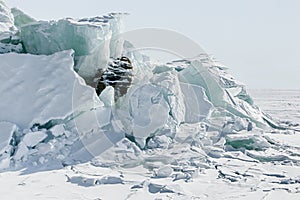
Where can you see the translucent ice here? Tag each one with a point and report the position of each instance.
(20, 18)
(94, 40)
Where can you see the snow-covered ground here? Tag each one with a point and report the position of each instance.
(234, 175)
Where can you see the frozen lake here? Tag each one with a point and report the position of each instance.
(280, 104)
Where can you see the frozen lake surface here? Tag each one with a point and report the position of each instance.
(283, 105)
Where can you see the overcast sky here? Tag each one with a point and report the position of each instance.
(259, 40)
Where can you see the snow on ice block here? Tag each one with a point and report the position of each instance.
(94, 40)
(35, 89)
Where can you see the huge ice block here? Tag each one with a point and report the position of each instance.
(94, 40)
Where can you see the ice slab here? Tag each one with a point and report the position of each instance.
(33, 138)
(149, 112)
(20, 18)
(197, 106)
(42, 87)
(21, 151)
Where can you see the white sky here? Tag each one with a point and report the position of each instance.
(259, 40)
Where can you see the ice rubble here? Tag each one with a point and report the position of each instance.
(53, 114)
